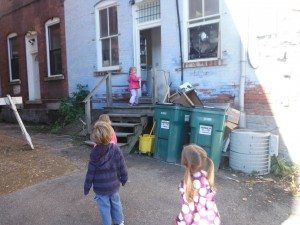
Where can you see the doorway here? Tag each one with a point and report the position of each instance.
(32, 61)
(150, 59)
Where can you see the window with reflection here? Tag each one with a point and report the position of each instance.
(203, 29)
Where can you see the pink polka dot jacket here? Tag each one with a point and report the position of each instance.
(203, 209)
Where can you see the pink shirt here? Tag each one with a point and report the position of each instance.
(134, 81)
(114, 139)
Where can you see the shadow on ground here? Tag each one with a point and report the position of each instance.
(150, 196)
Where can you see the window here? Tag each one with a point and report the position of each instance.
(108, 36)
(53, 47)
(203, 29)
(148, 11)
(13, 57)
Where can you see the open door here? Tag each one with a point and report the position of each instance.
(150, 60)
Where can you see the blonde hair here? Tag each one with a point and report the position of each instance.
(195, 159)
(102, 133)
(104, 118)
(131, 68)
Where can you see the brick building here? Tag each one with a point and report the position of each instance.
(33, 54)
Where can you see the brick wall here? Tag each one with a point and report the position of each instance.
(23, 16)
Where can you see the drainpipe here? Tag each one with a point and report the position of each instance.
(180, 42)
(242, 123)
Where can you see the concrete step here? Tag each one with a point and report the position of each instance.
(125, 115)
(145, 100)
(123, 134)
(127, 118)
(125, 124)
(147, 110)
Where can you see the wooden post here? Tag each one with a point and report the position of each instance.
(24, 131)
(88, 118)
(109, 90)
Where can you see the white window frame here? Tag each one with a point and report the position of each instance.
(12, 35)
(51, 22)
(202, 21)
(98, 7)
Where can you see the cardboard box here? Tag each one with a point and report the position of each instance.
(233, 117)
(188, 99)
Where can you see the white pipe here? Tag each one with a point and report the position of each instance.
(242, 123)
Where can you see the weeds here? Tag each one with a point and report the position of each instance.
(289, 172)
(70, 108)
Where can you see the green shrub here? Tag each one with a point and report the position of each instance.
(281, 168)
(70, 108)
(289, 172)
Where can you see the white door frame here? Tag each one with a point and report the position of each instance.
(34, 91)
(136, 38)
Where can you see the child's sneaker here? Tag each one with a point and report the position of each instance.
(120, 223)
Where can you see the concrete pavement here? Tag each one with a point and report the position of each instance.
(150, 196)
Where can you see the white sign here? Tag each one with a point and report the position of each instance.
(187, 118)
(165, 124)
(207, 119)
(205, 130)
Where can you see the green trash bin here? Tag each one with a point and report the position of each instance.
(171, 132)
(207, 129)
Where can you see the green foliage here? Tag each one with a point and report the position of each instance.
(70, 108)
(289, 172)
(79, 96)
(281, 168)
(56, 127)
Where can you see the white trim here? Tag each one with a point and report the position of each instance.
(135, 39)
(104, 5)
(201, 60)
(204, 18)
(204, 23)
(12, 35)
(33, 76)
(185, 25)
(49, 23)
(109, 68)
(148, 25)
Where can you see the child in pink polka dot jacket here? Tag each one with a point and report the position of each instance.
(197, 189)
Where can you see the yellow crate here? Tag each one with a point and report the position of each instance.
(146, 143)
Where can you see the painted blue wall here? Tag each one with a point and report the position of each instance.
(81, 43)
(82, 55)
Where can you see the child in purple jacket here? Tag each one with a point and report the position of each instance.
(106, 171)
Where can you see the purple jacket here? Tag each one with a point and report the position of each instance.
(106, 170)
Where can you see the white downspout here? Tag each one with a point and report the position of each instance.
(242, 123)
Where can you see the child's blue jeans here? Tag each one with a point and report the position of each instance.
(110, 208)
